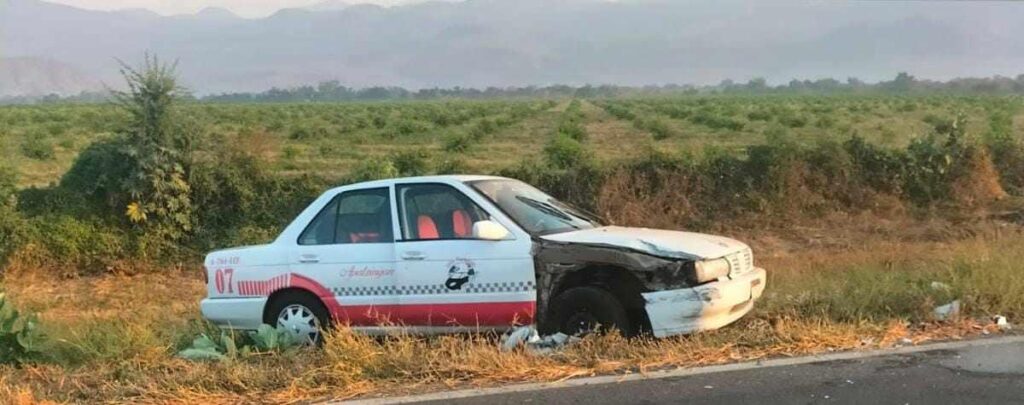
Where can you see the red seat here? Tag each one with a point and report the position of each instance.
(462, 225)
(426, 228)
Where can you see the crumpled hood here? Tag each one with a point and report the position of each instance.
(657, 242)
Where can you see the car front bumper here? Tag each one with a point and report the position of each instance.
(234, 313)
(708, 306)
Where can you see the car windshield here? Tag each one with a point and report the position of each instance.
(535, 211)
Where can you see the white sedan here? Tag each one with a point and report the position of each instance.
(468, 253)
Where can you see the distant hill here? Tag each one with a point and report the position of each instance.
(40, 77)
(481, 43)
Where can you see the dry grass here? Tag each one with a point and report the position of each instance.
(113, 338)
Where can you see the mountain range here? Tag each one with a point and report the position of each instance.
(50, 48)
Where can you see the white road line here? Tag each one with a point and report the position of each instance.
(682, 372)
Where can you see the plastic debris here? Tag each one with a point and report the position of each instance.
(948, 311)
(528, 337)
(938, 285)
(1001, 322)
(518, 337)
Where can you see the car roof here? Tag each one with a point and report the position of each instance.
(422, 179)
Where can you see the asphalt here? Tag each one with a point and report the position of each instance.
(988, 373)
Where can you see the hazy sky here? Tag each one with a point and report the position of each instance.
(244, 8)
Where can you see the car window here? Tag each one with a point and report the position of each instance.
(535, 211)
(437, 211)
(362, 216)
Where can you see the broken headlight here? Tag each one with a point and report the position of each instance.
(710, 270)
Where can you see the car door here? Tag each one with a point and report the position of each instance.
(347, 249)
(448, 278)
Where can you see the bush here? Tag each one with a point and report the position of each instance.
(374, 169)
(38, 148)
(159, 142)
(411, 162)
(73, 246)
(308, 132)
(658, 127)
(572, 129)
(13, 232)
(99, 172)
(563, 152)
(456, 142)
(243, 201)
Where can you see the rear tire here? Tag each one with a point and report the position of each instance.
(584, 310)
(302, 314)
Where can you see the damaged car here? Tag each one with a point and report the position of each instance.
(446, 254)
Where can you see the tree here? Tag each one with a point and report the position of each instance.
(159, 147)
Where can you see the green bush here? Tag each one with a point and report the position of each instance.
(564, 152)
(657, 126)
(456, 142)
(13, 232)
(411, 162)
(74, 246)
(572, 129)
(243, 201)
(309, 132)
(38, 148)
(99, 173)
(374, 169)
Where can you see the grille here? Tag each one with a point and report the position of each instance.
(741, 262)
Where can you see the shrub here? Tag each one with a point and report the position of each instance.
(38, 148)
(13, 230)
(793, 120)
(242, 200)
(563, 152)
(374, 169)
(658, 127)
(483, 128)
(405, 127)
(572, 129)
(411, 162)
(308, 132)
(159, 143)
(881, 169)
(99, 172)
(73, 246)
(456, 142)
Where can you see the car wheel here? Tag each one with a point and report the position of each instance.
(301, 314)
(584, 310)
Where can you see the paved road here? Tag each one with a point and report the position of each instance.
(985, 374)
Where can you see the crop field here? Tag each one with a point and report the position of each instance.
(858, 206)
(485, 136)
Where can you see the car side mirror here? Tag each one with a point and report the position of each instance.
(489, 230)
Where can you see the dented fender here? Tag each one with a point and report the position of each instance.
(704, 307)
(554, 261)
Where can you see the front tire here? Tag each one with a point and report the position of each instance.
(584, 310)
(301, 314)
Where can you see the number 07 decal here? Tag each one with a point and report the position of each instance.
(222, 279)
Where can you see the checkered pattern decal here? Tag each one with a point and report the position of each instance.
(434, 289)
